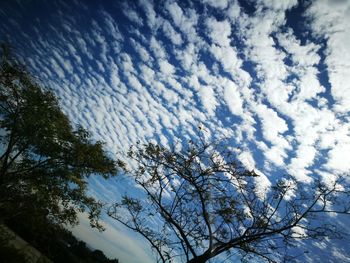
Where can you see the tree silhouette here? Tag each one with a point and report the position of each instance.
(202, 203)
(44, 163)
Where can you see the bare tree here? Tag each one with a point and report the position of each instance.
(201, 203)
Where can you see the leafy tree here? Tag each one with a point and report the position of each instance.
(202, 203)
(44, 163)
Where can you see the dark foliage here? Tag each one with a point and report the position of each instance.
(44, 162)
(55, 242)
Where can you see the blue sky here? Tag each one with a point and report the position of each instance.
(271, 75)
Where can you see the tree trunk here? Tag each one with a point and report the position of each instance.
(200, 259)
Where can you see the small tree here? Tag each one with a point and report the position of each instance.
(201, 203)
(44, 163)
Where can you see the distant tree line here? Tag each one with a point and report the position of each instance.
(56, 243)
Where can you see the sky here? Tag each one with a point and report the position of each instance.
(270, 75)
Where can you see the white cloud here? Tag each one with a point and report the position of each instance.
(233, 98)
(305, 156)
(147, 74)
(176, 13)
(142, 51)
(171, 33)
(221, 4)
(278, 5)
(126, 63)
(273, 126)
(234, 11)
(219, 31)
(227, 56)
(187, 56)
(302, 55)
(276, 155)
(151, 15)
(186, 22)
(166, 67)
(247, 160)
(133, 16)
(331, 20)
(57, 68)
(338, 158)
(208, 99)
(111, 26)
(157, 48)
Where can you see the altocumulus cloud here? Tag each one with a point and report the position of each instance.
(271, 75)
